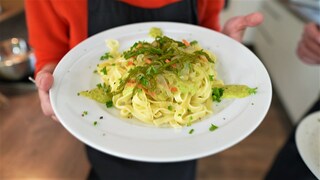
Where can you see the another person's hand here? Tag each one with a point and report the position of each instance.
(308, 48)
(236, 26)
(44, 81)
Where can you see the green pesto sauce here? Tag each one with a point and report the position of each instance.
(154, 32)
(97, 94)
(237, 91)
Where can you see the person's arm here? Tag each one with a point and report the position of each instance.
(208, 13)
(308, 48)
(48, 32)
(54, 27)
(49, 39)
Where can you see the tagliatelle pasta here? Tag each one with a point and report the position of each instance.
(164, 82)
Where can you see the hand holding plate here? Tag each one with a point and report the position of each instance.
(44, 81)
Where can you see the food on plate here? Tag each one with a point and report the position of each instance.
(165, 82)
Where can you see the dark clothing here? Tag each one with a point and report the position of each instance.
(108, 167)
(106, 14)
(288, 163)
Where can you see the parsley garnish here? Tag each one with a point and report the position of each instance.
(252, 90)
(104, 70)
(95, 123)
(217, 93)
(194, 42)
(191, 131)
(109, 104)
(213, 127)
(84, 113)
(99, 85)
(143, 80)
(107, 55)
(211, 77)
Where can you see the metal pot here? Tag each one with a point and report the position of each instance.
(16, 59)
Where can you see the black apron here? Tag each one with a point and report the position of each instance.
(106, 14)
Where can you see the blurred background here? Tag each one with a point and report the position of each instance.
(33, 146)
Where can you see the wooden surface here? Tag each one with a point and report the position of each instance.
(33, 146)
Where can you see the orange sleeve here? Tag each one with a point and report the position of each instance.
(208, 13)
(52, 28)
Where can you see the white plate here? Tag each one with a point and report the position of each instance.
(308, 142)
(120, 137)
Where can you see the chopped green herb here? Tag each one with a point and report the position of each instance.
(106, 56)
(179, 114)
(104, 70)
(95, 71)
(170, 108)
(99, 85)
(95, 123)
(211, 77)
(217, 93)
(84, 113)
(109, 104)
(252, 90)
(213, 127)
(194, 42)
(143, 80)
(191, 131)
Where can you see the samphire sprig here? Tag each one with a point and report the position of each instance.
(164, 54)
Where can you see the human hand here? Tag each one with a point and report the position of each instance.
(308, 48)
(44, 81)
(236, 26)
